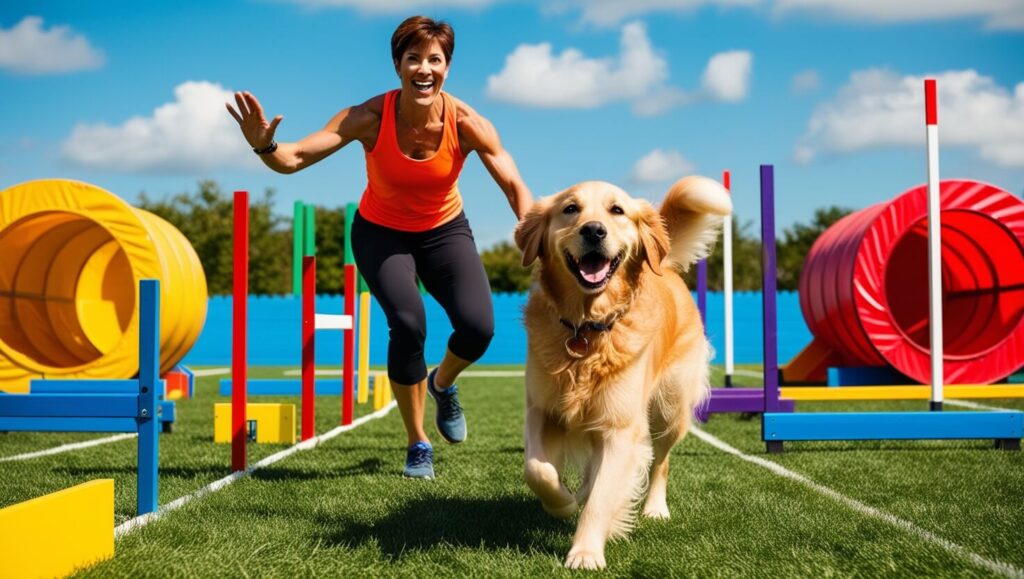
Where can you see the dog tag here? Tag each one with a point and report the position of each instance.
(577, 346)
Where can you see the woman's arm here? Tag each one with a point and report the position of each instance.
(359, 122)
(478, 134)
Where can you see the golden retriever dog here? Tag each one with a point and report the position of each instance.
(617, 358)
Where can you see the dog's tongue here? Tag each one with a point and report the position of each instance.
(594, 268)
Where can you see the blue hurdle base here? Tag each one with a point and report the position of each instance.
(1000, 426)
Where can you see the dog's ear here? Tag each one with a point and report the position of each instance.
(529, 233)
(653, 237)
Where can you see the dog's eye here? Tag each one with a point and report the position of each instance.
(616, 210)
(571, 208)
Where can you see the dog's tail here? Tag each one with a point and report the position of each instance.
(693, 210)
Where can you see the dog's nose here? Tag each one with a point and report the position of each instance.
(593, 231)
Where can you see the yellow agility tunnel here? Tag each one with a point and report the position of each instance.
(71, 257)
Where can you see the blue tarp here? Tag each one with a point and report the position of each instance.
(274, 330)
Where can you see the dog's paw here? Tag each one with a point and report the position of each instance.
(562, 512)
(656, 510)
(584, 559)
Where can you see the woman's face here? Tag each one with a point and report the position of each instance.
(423, 69)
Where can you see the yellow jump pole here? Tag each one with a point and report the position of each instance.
(378, 391)
(364, 341)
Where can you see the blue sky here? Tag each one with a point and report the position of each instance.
(129, 95)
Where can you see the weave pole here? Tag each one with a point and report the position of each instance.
(308, 347)
(364, 342)
(239, 350)
(934, 243)
(308, 219)
(297, 241)
(727, 286)
(351, 276)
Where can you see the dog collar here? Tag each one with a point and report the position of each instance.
(576, 345)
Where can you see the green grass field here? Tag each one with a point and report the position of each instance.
(940, 508)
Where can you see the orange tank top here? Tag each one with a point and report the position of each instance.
(409, 194)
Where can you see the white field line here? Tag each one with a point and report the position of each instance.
(748, 373)
(1000, 568)
(211, 372)
(143, 520)
(975, 405)
(68, 447)
(467, 373)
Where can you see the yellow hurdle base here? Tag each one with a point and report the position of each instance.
(53, 535)
(274, 423)
(916, 392)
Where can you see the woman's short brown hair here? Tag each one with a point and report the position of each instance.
(418, 29)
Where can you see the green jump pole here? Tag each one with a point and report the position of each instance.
(309, 231)
(297, 241)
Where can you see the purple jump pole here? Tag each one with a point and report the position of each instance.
(768, 291)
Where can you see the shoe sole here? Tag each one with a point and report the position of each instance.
(417, 477)
(446, 439)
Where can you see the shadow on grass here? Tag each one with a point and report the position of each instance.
(368, 466)
(427, 523)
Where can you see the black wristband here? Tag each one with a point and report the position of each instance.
(266, 150)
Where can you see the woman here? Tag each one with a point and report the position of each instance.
(410, 222)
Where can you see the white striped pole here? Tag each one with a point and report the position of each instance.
(934, 243)
(727, 267)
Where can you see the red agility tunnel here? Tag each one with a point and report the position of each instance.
(864, 286)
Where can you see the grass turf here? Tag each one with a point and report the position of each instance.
(344, 508)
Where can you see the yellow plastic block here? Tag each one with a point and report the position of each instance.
(275, 423)
(53, 535)
(916, 392)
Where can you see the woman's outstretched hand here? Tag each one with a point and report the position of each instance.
(252, 121)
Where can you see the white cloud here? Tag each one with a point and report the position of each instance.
(879, 108)
(727, 76)
(534, 76)
(612, 12)
(997, 14)
(805, 82)
(29, 49)
(660, 166)
(394, 6)
(192, 133)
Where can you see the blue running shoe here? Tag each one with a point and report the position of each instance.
(450, 421)
(419, 461)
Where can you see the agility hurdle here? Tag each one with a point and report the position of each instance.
(110, 406)
(1005, 427)
(59, 533)
(239, 385)
(728, 399)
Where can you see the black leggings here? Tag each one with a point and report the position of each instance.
(446, 260)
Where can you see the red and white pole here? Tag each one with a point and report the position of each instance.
(934, 243)
(349, 346)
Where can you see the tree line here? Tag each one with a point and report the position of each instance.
(205, 217)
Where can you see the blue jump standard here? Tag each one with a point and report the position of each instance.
(112, 405)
